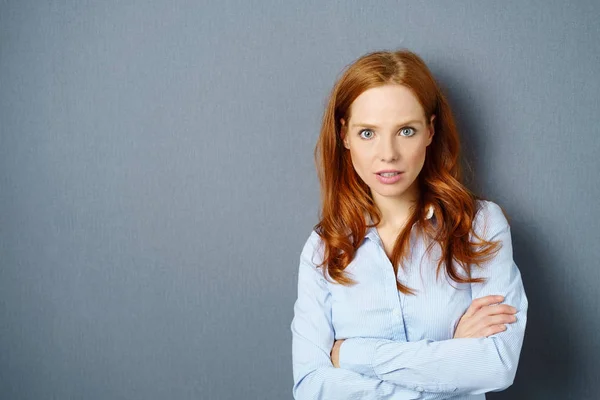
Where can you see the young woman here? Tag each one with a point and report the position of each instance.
(407, 288)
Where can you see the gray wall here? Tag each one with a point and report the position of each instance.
(157, 181)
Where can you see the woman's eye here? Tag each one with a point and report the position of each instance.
(368, 134)
(408, 131)
(365, 131)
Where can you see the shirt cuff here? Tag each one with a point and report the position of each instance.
(357, 354)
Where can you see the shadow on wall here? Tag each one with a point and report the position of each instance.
(546, 366)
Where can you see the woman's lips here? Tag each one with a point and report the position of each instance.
(389, 179)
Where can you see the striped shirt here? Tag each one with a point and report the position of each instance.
(401, 346)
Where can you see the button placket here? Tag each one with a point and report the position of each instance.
(391, 292)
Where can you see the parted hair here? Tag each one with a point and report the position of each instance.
(346, 199)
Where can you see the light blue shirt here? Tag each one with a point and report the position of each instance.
(401, 346)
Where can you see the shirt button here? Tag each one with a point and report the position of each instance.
(397, 313)
(419, 389)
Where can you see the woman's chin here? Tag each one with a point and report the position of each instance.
(389, 191)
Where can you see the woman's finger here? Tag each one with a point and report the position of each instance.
(498, 309)
(478, 303)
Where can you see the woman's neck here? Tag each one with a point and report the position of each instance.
(395, 211)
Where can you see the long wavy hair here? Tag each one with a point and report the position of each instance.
(346, 199)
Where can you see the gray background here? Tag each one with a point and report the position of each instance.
(157, 181)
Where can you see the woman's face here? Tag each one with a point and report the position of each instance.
(387, 131)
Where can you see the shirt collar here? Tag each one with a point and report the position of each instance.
(372, 231)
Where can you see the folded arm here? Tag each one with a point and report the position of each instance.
(315, 377)
(465, 365)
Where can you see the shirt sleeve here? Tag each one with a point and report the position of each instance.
(313, 336)
(465, 365)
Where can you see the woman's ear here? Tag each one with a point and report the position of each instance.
(431, 129)
(343, 131)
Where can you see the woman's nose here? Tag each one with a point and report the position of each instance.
(388, 150)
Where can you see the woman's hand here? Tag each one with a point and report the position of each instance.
(335, 353)
(483, 320)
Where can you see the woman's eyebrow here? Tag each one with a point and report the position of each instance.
(365, 125)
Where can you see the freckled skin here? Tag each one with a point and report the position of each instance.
(391, 144)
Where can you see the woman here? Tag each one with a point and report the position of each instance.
(407, 286)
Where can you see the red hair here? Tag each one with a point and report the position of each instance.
(346, 199)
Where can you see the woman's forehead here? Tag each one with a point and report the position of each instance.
(391, 103)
